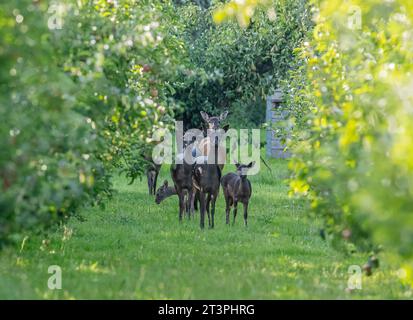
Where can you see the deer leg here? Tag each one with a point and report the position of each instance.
(181, 204)
(214, 199)
(227, 209)
(155, 179)
(207, 209)
(186, 202)
(149, 176)
(202, 209)
(193, 203)
(189, 204)
(196, 200)
(245, 213)
(235, 211)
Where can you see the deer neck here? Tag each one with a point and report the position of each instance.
(170, 191)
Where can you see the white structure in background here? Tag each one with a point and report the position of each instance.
(275, 114)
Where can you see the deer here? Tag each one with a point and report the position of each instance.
(166, 191)
(237, 188)
(213, 122)
(152, 172)
(206, 178)
(206, 145)
(182, 177)
(201, 180)
(206, 175)
(181, 174)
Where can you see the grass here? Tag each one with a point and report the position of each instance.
(135, 249)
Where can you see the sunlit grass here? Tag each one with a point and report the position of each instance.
(135, 249)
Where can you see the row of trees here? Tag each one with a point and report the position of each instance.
(48, 152)
(349, 97)
(84, 84)
(351, 104)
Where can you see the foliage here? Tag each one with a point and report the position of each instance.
(124, 60)
(88, 96)
(235, 68)
(243, 11)
(352, 136)
(78, 101)
(48, 153)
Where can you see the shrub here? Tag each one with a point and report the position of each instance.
(48, 162)
(78, 102)
(353, 134)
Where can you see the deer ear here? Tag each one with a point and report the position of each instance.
(204, 116)
(251, 164)
(237, 164)
(226, 127)
(223, 116)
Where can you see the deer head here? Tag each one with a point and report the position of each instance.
(213, 122)
(243, 168)
(164, 192)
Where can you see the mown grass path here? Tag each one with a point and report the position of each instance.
(135, 249)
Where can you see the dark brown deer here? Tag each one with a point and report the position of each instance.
(164, 192)
(237, 188)
(182, 177)
(206, 178)
(152, 172)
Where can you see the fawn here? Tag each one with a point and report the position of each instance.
(237, 188)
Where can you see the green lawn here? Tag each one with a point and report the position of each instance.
(135, 249)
